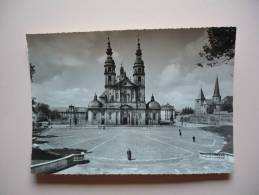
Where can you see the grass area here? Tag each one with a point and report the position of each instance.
(38, 154)
(224, 131)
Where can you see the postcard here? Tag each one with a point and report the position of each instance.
(144, 102)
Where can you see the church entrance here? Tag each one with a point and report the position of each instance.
(102, 122)
(125, 121)
(124, 118)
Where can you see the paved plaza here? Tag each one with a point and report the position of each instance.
(155, 150)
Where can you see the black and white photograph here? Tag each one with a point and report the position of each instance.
(144, 102)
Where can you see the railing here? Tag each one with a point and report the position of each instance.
(58, 164)
(218, 156)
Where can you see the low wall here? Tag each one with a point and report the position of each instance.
(58, 164)
(218, 156)
(213, 119)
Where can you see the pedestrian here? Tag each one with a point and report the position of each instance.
(129, 154)
(193, 138)
(180, 132)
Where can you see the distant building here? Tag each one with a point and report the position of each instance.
(167, 112)
(73, 115)
(205, 106)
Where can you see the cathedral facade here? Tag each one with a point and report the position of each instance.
(123, 101)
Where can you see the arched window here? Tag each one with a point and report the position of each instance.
(139, 79)
(109, 69)
(109, 78)
(139, 70)
(94, 115)
(154, 116)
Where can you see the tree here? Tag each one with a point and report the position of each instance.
(227, 104)
(187, 110)
(220, 46)
(34, 103)
(55, 115)
(43, 111)
(44, 108)
(32, 70)
(227, 107)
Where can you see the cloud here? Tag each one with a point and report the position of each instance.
(170, 75)
(53, 54)
(189, 54)
(57, 91)
(193, 48)
(75, 96)
(181, 88)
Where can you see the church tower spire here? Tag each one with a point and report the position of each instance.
(200, 103)
(201, 96)
(139, 68)
(139, 72)
(139, 60)
(216, 95)
(109, 66)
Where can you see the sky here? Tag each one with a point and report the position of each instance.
(70, 66)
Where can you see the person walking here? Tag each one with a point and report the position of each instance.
(193, 138)
(180, 132)
(129, 154)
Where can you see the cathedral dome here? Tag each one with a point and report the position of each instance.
(95, 103)
(153, 105)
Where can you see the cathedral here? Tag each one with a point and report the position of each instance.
(123, 100)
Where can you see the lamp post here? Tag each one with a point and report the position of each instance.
(219, 117)
(71, 112)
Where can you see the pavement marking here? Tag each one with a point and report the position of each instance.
(138, 161)
(97, 146)
(86, 140)
(213, 143)
(157, 140)
(151, 160)
(188, 142)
